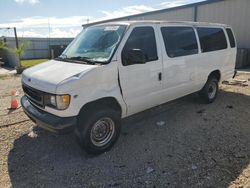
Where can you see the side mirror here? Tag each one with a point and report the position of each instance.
(135, 56)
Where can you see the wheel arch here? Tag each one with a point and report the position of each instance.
(110, 102)
(216, 74)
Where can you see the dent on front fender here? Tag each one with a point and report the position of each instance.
(90, 86)
(111, 91)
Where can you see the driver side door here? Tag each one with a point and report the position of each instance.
(141, 83)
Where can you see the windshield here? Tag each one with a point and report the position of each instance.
(95, 44)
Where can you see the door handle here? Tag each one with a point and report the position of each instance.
(159, 76)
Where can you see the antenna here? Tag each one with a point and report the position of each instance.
(49, 31)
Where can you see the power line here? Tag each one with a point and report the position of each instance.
(1, 28)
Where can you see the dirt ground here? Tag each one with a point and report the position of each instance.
(181, 144)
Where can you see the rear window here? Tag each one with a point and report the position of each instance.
(212, 39)
(231, 38)
(179, 41)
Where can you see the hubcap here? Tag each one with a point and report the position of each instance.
(212, 89)
(102, 131)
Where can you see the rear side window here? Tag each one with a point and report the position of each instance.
(179, 41)
(231, 38)
(142, 38)
(212, 39)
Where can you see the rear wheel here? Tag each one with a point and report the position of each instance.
(210, 90)
(99, 131)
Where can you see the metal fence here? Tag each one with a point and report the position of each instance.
(38, 47)
(43, 48)
(243, 58)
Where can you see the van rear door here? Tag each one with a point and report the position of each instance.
(215, 53)
(229, 66)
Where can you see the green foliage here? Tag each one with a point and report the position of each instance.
(18, 51)
(2, 45)
(21, 49)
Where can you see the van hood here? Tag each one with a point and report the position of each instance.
(47, 76)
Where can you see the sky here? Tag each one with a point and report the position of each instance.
(58, 18)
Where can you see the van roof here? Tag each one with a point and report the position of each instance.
(139, 22)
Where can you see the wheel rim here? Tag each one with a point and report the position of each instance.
(212, 89)
(102, 131)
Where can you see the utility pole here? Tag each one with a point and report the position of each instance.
(17, 46)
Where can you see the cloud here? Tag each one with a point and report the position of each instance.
(137, 9)
(31, 33)
(130, 10)
(46, 26)
(64, 33)
(27, 1)
(170, 4)
(38, 22)
(54, 33)
(70, 26)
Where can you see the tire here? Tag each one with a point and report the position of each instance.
(210, 90)
(99, 131)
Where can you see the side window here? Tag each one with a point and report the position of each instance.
(212, 39)
(231, 38)
(143, 39)
(179, 41)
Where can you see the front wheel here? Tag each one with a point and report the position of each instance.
(210, 90)
(99, 131)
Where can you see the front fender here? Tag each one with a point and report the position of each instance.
(96, 84)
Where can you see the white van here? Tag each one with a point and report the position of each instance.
(113, 70)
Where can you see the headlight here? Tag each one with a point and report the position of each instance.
(53, 100)
(60, 102)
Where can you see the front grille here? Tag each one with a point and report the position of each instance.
(34, 95)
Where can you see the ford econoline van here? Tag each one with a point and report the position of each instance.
(113, 70)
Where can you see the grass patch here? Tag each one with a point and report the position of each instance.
(3, 77)
(32, 62)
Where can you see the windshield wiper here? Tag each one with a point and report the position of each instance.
(62, 56)
(73, 60)
(84, 59)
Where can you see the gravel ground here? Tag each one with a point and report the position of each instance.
(181, 144)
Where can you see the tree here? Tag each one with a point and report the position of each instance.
(20, 51)
(17, 51)
(3, 46)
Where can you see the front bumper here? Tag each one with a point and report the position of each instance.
(46, 120)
